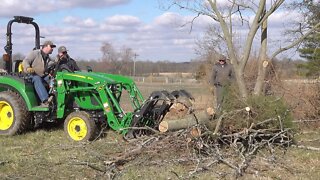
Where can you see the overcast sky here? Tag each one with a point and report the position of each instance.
(83, 25)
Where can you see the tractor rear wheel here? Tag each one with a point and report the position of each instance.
(80, 127)
(14, 115)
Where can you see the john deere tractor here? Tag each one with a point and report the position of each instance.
(84, 101)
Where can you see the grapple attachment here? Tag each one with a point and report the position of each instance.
(154, 109)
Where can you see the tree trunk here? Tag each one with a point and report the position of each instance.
(241, 83)
(263, 63)
(190, 120)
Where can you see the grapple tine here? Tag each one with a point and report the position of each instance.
(187, 94)
(155, 108)
(182, 93)
(183, 97)
(169, 95)
(151, 112)
(158, 95)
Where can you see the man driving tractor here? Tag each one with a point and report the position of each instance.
(36, 64)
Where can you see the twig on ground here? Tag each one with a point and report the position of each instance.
(3, 162)
(306, 147)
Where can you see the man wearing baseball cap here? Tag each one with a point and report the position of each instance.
(36, 64)
(63, 59)
(222, 75)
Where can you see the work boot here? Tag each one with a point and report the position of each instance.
(44, 104)
(50, 99)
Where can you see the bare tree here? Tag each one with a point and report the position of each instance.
(125, 65)
(119, 62)
(108, 52)
(300, 31)
(230, 14)
(263, 63)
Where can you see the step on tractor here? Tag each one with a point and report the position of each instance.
(85, 102)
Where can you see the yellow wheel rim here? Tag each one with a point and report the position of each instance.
(77, 128)
(6, 115)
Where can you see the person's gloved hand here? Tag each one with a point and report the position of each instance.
(30, 70)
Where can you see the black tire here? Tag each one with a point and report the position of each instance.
(14, 115)
(80, 127)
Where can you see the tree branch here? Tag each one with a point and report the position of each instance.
(296, 42)
(273, 8)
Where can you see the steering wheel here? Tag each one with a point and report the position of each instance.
(64, 67)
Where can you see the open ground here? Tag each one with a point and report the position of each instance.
(47, 154)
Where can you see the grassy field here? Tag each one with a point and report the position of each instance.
(47, 154)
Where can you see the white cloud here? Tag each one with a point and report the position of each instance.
(163, 37)
(88, 22)
(279, 18)
(92, 3)
(168, 19)
(122, 20)
(10, 8)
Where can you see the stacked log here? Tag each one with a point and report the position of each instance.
(202, 117)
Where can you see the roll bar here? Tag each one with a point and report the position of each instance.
(8, 48)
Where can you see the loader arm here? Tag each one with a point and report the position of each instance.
(96, 92)
(102, 92)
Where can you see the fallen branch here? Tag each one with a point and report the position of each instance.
(140, 128)
(306, 147)
(310, 120)
(204, 168)
(132, 154)
(90, 165)
(309, 140)
(3, 162)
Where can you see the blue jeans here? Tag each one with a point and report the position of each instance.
(38, 83)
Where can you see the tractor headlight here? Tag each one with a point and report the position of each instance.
(60, 82)
(106, 106)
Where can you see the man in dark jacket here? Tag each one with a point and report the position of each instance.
(222, 75)
(65, 61)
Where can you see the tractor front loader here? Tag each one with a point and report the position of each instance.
(85, 101)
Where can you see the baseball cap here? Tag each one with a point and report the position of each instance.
(49, 43)
(62, 49)
(222, 58)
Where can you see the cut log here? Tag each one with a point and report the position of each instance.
(190, 120)
(195, 132)
(210, 111)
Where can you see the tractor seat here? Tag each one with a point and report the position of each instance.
(17, 65)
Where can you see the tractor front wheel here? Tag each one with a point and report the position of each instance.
(80, 127)
(14, 115)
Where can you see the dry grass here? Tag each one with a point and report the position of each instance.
(304, 100)
(48, 154)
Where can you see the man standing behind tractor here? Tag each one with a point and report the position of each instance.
(222, 75)
(64, 58)
(36, 64)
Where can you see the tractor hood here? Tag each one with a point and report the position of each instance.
(94, 77)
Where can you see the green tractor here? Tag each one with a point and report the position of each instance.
(84, 101)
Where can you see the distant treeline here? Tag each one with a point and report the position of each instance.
(140, 68)
(200, 68)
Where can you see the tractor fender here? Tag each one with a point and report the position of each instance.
(24, 89)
